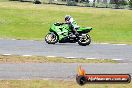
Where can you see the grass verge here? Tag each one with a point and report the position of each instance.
(29, 21)
(41, 59)
(55, 84)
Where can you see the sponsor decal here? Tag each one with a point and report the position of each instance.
(83, 78)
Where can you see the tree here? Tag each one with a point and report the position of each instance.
(130, 3)
(115, 2)
(71, 3)
(111, 1)
(118, 3)
(50, 1)
(94, 3)
(105, 1)
(98, 1)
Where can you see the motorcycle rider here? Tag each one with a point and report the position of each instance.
(72, 24)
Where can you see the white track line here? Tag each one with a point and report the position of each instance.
(70, 57)
(117, 59)
(26, 55)
(6, 54)
(90, 58)
(103, 43)
(50, 56)
(13, 39)
(119, 44)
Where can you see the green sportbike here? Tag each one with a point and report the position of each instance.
(62, 33)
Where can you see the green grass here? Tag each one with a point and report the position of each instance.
(55, 84)
(3, 0)
(41, 59)
(29, 21)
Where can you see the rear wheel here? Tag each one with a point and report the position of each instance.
(51, 38)
(84, 40)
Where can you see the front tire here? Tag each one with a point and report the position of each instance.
(84, 40)
(51, 38)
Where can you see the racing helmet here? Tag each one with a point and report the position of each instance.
(67, 17)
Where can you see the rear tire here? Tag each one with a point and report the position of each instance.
(51, 38)
(84, 40)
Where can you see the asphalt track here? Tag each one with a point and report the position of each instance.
(62, 70)
(68, 50)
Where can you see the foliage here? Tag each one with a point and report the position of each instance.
(130, 4)
(71, 3)
(122, 2)
(119, 3)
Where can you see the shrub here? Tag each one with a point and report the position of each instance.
(123, 2)
(119, 3)
(130, 4)
(71, 3)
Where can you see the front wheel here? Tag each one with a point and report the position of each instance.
(51, 38)
(84, 40)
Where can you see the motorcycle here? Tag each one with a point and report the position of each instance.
(62, 33)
